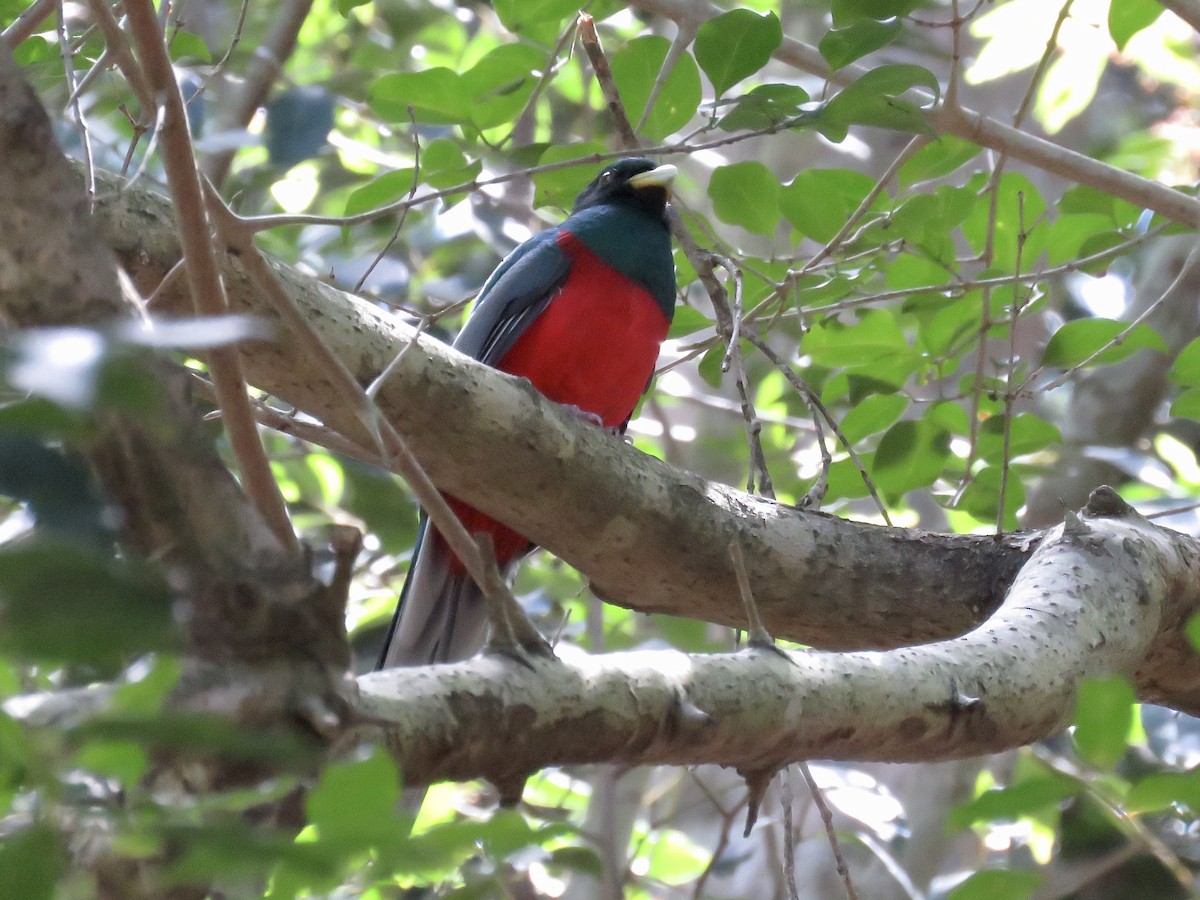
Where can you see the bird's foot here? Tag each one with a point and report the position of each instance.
(578, 412)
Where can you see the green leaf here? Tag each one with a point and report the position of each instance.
(998, 884)
(1187, 405)
(950, 324)
(1083, 199)
(1019, 223)
(444, 165)
(636, 66)
(766, 106)
(560, 186)
(874, 339)
(924, 218)
(911, 271)
(122, 760)
(674, 858)
(32, 860)
(1009, 804)
(1078, 340)
(1186, 368)
(355, 800)
(185, 45)
(746, 194)
(982, 497)
(499, 85)
(937, 159)
(1162, 790)
(735, 45)
(911, 454)
(709, 367)
(1027, 434)
(1069, 233)
(819, 201)
(875, 99)
(1127, 17)
(64, 603)
(387, 188)
(436, 95)
(582, 859)
(379, 500)
(518, 15)
(231, 849)
(843, 46)
(688, 320)
(1103, 714)
(847, 12)
(872, 415)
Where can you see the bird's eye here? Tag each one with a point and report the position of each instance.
(606, 177)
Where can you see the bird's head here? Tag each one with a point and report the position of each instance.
(634, 181)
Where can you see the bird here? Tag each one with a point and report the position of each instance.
(580, 310)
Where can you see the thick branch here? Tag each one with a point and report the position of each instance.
(1089, 602)
(648, 535)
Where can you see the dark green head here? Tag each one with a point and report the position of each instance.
(622, 218)
(635, 182)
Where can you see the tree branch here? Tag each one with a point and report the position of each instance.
(1089, 602)
(649, 536)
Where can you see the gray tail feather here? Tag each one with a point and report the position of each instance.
(440, 616)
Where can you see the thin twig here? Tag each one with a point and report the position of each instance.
(412, 192)
(789, 833)
(608, 85)
(392, 447)
(216, 70)
(204, 277)
(67, 54)
(815, 403)
(118, 49)
(827, 818)
(28, 21)
(733, 359)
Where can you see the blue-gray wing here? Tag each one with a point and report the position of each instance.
(513, 296)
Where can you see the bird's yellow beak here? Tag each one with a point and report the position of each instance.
(659, 177)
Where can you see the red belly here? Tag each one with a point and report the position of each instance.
(594, 347)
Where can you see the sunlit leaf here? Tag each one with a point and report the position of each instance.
(847, 12)
(910, 455)
(819, 201)
(766, 106)
(746, 194)
(735, 45)
(387, 188)
(62, 602)
(355, 800)
(1103, 714)
(1079, 340)
(997, 884)
(937, 159)
(635, 67)
(876, 98)
(435, 95)
(1127, 17)
(32, 859)
(843, 46)
(688, 320)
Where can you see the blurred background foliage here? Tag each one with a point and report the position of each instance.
(990, 342)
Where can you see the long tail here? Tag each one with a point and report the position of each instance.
(440, 616)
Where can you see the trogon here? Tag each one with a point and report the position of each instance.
(580, 310)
